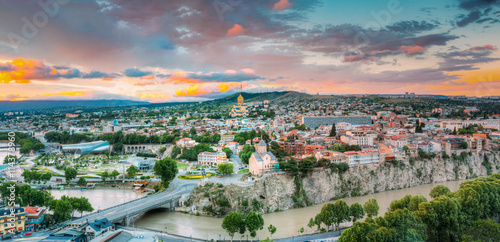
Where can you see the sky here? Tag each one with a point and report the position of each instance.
(178, 50)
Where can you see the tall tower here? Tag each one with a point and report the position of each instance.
(240, 98)
(262, 147)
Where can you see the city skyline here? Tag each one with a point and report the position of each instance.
(168, 51)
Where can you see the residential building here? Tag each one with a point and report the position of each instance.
(211, 158)
(35, 216)
(96, 228)
(357, 138)
(357, 158)
(6, 222)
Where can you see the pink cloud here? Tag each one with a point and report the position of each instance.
(235, 30)
(413, 50)
(359, 57)
(282, 5)
(482, 48)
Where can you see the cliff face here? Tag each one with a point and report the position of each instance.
(276, 192)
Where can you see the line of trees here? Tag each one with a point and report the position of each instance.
(463, 215)
(62, 209)
(235, 223)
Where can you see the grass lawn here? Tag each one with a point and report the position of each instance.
(182, 166)
(243, 171)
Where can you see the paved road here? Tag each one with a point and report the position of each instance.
(236, 159)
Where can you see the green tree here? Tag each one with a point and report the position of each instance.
(371, 207)
(333, 131)
(292, 167)
(10, 159)
(271, 229)
(233, 223)
(442, 216)
(254, 222)
(482, 230)
(225, 169)
(70, 174)
(104, 176)
(117, 147)
(311, 223)
(132, 171)
(166, 169)
(464, 145)
(439, 190)
(341, 212)
(114, 174)
(81, 182)
(306, 165)
(228, 151)
(62, 209)
(357, 211)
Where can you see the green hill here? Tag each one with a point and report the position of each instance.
(259, 97)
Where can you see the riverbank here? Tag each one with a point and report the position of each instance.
(287, 222)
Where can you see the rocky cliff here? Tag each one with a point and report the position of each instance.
(283, 192)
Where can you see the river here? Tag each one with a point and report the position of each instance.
(100, 198)
(287, 222)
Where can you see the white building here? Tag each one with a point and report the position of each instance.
(356, 158)
(211, 158)
(356, 138)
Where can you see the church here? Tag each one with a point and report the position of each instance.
(262, 161)
(239, 109)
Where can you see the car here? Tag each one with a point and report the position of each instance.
(28, 234)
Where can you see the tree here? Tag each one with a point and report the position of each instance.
(10, 159)
(291, 166)
(271, 229)
(464, 145)
(81, 182)
(132, 171)
(442, 216)
(225, 169)
(406, 148)
(114, 174)
(104, 176)
(62, 209)
(306, 165)
(341, 212)
(371, 207)
(228, 151)
(81, 205)
(70, 174)
(311, 223)
(166, 168)
(439, 190)
(232, 223)
(333, 131)
(117, 147)
(254, 222)
(482, 230)
(357, 211)
(323, 162)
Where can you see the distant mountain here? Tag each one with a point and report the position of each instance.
(39, 104)
(271, 96)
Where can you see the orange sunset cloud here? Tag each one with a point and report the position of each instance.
(282, 5)
(235, 30)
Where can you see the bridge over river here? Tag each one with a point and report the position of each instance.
(125, 213)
